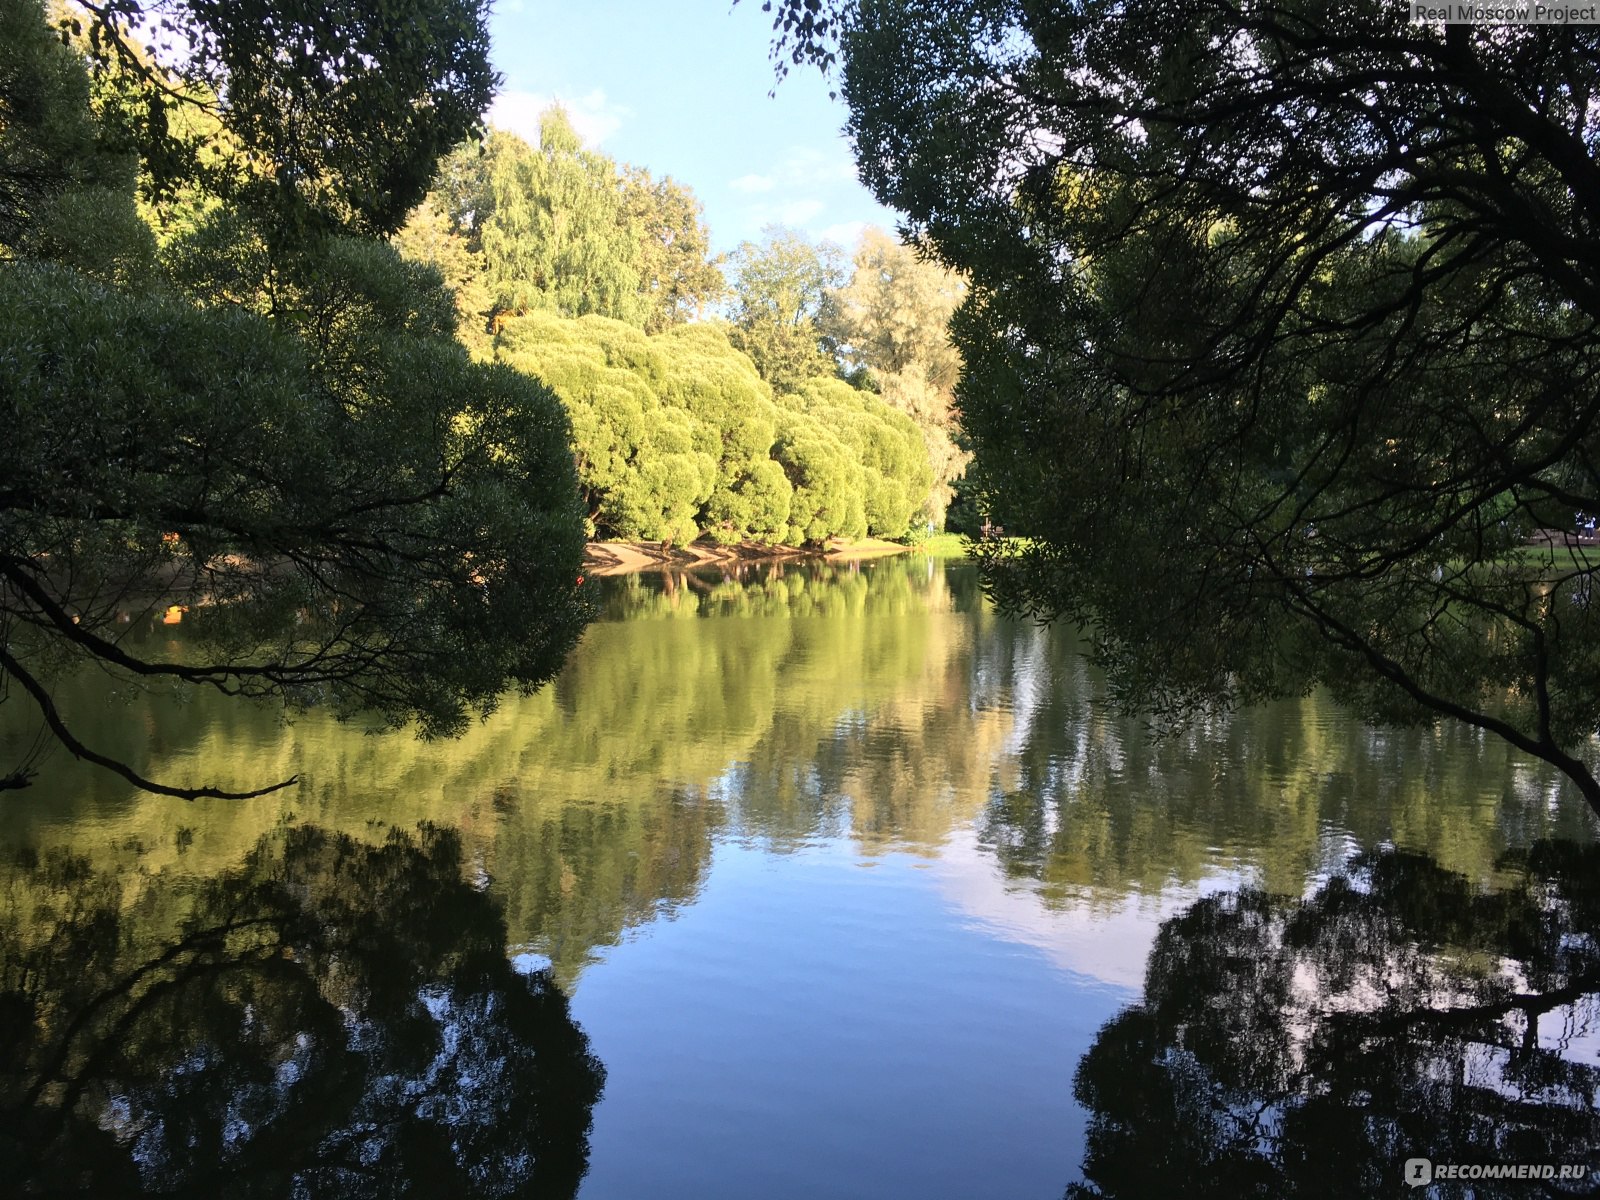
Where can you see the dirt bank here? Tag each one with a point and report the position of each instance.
(621, 558)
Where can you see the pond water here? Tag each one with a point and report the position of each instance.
(855, 888)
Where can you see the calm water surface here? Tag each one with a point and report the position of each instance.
(856, 889)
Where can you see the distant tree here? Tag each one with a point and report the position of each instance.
(895, 476)
(560, 236)
(893, 314)
(430, 236)
(577, 232)
(889, 326)
(462, 189)
(676, 274)
(269, 420)
(779, 286)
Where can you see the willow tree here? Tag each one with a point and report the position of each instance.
(894, 474)
(825, 479)
(736, 423)
(642, 469)
(270, 416)
(560, 235)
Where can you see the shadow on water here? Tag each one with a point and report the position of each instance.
(329, 1018)
(1309, 1047)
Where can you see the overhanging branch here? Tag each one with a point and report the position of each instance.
(47, 708)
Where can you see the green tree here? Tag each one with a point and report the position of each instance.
(894, 473)
(560, 235)
(642, 472)
(889, 324)
(398, 84)
(736, 424)
(676, 274)
(276, 426)
(779, 285)
(827, 496)
(1281, 337)
(431, 236)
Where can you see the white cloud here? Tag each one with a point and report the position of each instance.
(846, 233)
(593, 115)
(811, 165)
(798, 212)
(793, 213)
(811, 187)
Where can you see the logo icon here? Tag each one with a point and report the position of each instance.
(1419, 1172)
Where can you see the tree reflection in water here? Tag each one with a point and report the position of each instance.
(330, 1018)
(1299, 1048)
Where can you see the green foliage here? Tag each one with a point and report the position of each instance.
(888, 325)
(779, 287)
(735, 423)
(1280, 338)
(826, 479)
(46, 132)
(560, 236)
(266, 421)
(398, 83)
(638, 463)
(65, 186)
(891, 316)
(895, 473)
(564, 229)
(430, 236)
(676, 435)
(676, 274)
(411, 584)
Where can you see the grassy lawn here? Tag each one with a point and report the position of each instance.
(1561, 558)
(943, 545)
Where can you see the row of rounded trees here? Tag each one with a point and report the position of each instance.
(676, 435)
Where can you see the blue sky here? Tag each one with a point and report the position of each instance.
(681, 87)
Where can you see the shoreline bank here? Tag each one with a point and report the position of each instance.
(622, 558)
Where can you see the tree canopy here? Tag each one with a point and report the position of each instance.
(335, 112)
(677, 273)
(559, 235)
(889, 323)
(676, 436)
(1280, 344)
(269, 419)
(780, 285)
(562, 228)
